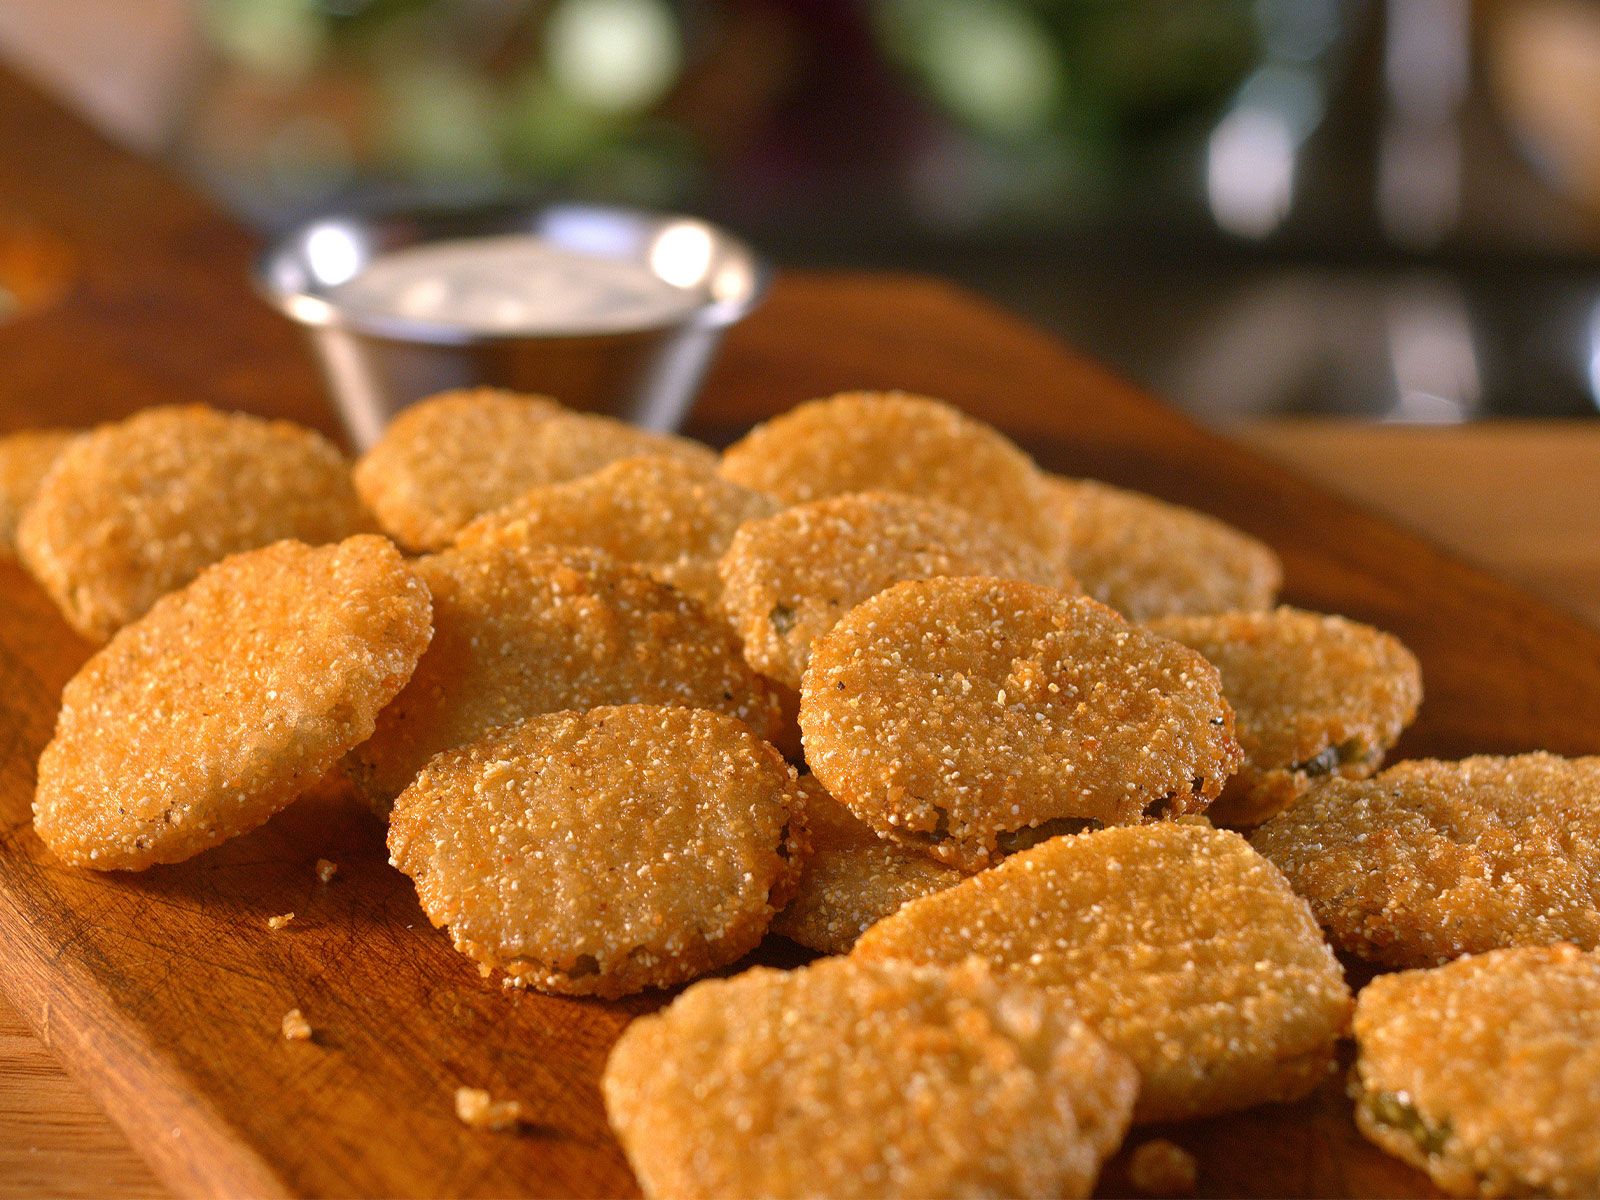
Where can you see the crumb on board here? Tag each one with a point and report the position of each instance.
(295, 1026)
(1162, 1168)
(326, 870)
(475, 1108)
(278, 922)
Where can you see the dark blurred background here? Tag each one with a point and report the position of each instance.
(1384, 209)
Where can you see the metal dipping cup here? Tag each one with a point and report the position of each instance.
(376, 364)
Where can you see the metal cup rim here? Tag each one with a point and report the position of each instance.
(284, 278)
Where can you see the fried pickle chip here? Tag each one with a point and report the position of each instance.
(1147, 558)
(606, 851)
(227, 700)
(453, 457)
(976, 716)
(894, 442)
(1177, 943)
(521, 631)
(1486, 1073)
(25, 459)
(848, 1080)
(787, 579)
(136, 509)
(853, 878)
(672, 516)
(1312, 696)
(1431, 860)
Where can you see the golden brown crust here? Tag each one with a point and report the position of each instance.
(853, 878)
(672, 516)
(227, 700)
(136, 509)
(841, 1080)
(25, 459)
(458, 455)
(896, 442)
(1312, 696)
(1147, 558)
(520, 631)
(959, 714)
(1430, 860)
(602, 852)
(1177, 944)
(1486, 1073)
(788, 578)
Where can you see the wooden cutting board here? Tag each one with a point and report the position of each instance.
(164, 990)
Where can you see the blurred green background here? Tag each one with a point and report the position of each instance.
(1382, 209)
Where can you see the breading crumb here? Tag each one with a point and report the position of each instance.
(326, 870)
(1162, 1168)
(295, 1026)
(475, 1108)
(277, 923)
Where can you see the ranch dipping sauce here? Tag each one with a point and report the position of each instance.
(515, 284)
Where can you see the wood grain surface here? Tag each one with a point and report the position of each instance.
(164, 991)
(1519, 497)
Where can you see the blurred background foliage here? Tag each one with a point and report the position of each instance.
(970, 109)
(1381, 207)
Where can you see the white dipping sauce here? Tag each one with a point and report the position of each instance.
(515, 283)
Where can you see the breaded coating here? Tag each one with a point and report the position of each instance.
(1147, 558)
(1312, 696)
(884, 1080)
(449, 457)
(787, 579)
(853, 878)
(895, 442)
(1163, 1168)
(1431, 860)
(25, 459)
(137, 509)
(453, 457)
(1177, 943)
(672, 516)
(524, 631)
(1486, 1073)
(976, 716)
(607, 851)
(227, 700)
